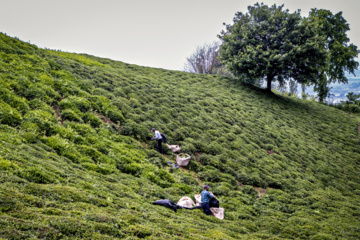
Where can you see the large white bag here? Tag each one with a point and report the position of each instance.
(186, 202)
(174, 148)
(183, 161)
(197, 199)
(218, 212)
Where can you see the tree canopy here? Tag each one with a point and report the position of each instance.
(341, 55)
(275, 45)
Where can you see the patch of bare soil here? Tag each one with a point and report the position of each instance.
(57, 113)
(261, 191)
(107, 120)
(197, 158)
(270, 152)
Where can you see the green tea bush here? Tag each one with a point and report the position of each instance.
(43, 119)
(92, 119)
(133, 168)
(30, 132)
(7, 165)
(67, 133)
(135, 130)
(81, 128)
(73, 102)
(90, 151)
(122, 104)
(19, 103)
(37, 175)
(188, 147)
(70, 115)
(183, 187)
(37, 104)
(9, 115)
(249, 190)
(223, 189)
(115, 115)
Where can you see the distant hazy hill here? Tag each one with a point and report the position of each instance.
(76, 161)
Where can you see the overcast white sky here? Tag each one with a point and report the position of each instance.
(155, 33)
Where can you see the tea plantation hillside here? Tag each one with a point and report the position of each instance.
(76, 160)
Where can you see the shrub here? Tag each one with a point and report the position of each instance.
(133, 168)
(7, 165)
(43, 119)
(81, 128)
(135, 130)
(37, 175)
(115, 115)
(30, 132)
(122, 104)
(164, 175)
(8, 115)
(70, 115)
(73, 102)
(249, 190)
(105, 169)
(37, 104)
(19, 103)
(92, 119)
(91, 152)
(183, 187)
(222, 189)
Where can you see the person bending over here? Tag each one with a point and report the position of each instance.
(158, 138)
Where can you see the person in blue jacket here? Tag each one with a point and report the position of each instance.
(205, 200)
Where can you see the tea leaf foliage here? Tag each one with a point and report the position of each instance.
(76, 160)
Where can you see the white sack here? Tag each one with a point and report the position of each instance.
(218, 212)
(183, 161)
(197, 199)
(174, 148)
(186, 202)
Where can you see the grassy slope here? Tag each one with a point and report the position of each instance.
(64, 173)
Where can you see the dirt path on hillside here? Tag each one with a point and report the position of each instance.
(107, 120)
(57, 113)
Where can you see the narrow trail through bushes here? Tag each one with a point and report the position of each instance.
(57, 113)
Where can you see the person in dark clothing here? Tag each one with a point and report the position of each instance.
(158, 138)
(205, 200)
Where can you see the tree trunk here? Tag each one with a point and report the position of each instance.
(269, 80)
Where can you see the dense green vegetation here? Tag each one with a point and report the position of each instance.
(270, 43)
(76, 162)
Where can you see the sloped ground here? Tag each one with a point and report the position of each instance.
(65, 173)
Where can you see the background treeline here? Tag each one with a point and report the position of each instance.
(76, 160)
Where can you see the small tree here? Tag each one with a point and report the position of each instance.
(352, 97)
(205, 60)
(273, 44)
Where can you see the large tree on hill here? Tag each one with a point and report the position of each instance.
(273, 44)
(341, 54)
